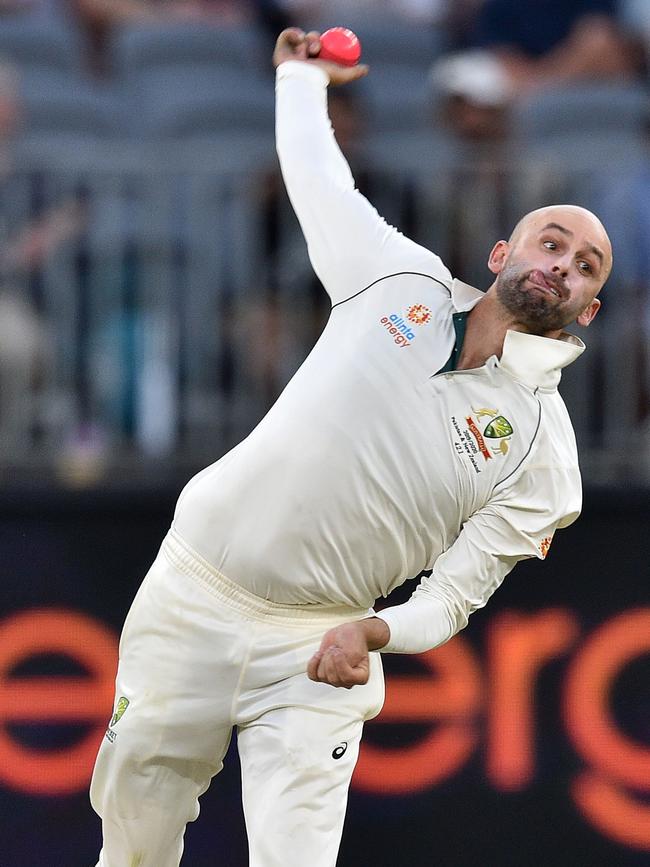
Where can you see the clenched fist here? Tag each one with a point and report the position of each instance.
(342, 658)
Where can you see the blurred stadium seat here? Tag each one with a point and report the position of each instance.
(66, 119)
(39, 43)
(397, 98)
(397, 93)
(148, 48)
(423, 151)
(177, 102)
(186, 82)
(586, 115)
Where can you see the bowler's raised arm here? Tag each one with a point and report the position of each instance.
(350, 245)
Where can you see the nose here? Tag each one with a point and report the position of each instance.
(561, 267)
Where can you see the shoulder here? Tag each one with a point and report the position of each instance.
(424, 281)
(549, 473)
(556, 441)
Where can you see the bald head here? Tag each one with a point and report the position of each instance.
(575, 223)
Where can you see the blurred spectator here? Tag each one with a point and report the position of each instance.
(112, 12)
(29, 237)
(460, 22)
(553, 41)
(475, 93)
(623, 201)
(218, 12)
(22, 337)
(9, 115)
(635, 16)
(100, 17)
(519, 47)
(422, 11)
(23, 354)
(28, 248)
(46, 8)
(24, 247)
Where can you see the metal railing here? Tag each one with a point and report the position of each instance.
(151, 312)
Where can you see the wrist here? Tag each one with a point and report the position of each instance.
(299, 68)
(376, 631)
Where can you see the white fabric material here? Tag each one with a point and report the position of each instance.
(196, 659)
(370, 466)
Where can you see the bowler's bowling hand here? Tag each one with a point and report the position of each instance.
(342, 658)
(295, 44)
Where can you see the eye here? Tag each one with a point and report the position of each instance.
(550, 245)
(585, 267)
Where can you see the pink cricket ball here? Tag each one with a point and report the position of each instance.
(340, 45)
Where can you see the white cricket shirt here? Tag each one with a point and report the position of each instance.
(372, 467)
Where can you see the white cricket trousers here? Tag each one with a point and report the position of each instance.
(198, 656)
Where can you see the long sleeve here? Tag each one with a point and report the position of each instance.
(350, 245)
(517, 524)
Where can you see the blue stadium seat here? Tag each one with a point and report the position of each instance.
(65, 118)
(196, 100)
(149, 48)
(192, 81)
(397, 97)
(577, 131)
(583, 109)
(60, 101)
(425, 151)
(32, 42)
(230, 152)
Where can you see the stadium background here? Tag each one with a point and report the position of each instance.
(155, 296)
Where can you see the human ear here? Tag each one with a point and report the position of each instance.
(588, 313)
(498, 256)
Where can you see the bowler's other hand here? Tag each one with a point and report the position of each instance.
(295, 44)
(342, 658)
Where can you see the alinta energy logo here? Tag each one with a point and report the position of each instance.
(419, 314)
(399, 327)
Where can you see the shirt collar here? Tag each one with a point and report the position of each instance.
(464, 296)
(535, 361)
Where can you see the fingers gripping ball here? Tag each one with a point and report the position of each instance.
(341, 46)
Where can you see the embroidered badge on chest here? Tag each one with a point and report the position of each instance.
(478, 441)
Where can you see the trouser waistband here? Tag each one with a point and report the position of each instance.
(184, 558)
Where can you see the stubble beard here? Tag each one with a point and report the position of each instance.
(535, 311)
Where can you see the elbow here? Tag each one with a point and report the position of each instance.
(454, 608)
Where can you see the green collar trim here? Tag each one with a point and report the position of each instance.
(460, 326)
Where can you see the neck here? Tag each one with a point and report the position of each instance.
(487, 325)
